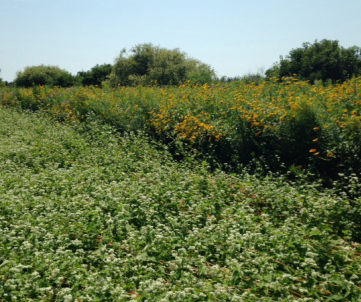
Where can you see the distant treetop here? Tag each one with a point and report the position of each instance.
(323, 60)
(43, 75)
(146, 63)
(95, 76)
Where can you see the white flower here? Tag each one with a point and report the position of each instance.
(68, 298)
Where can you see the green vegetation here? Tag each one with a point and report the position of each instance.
(43, 75)
(291, 125)
(89, 215)
(95, 76)
(148, 64)
(244, 189)
(324, 60)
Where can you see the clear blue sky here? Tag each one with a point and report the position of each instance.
(235, 37)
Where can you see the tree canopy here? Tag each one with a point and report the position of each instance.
(146, 64)
(323, 60)
(95, 76)
(43, 75)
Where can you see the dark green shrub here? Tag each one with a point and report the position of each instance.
(324, 60)
(95, 76)
(43, 75)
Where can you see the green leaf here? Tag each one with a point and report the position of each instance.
(336, 297)
(315, 232)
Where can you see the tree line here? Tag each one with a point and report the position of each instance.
(143, 64)
(146, 64)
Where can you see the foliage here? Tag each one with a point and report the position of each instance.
(311, 128)
(88, 215)
(95, 76)
(146, 64)
(43, 75)
(323, 60)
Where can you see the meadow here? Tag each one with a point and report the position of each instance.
(130, 194)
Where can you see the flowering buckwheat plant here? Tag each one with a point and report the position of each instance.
(89, 215)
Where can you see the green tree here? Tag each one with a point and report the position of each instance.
(43, 75)
(323, 60)
(95, 76)
(146, 64)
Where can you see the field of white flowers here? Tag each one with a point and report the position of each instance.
(88, 215)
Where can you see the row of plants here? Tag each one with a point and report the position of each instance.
(89, 215)
(284, 125)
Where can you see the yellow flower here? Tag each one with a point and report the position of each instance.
(283, 116)
(313, 150)
(329, 154)
(315, 140)
(317, 153)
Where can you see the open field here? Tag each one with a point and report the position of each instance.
(89, 215)
(286, 126)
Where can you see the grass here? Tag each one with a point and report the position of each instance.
(87, 214)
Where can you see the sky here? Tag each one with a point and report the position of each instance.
(235, 37)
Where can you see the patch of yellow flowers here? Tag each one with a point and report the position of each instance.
(210, 112)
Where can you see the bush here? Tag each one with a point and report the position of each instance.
(43, 75)
(148, 64)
